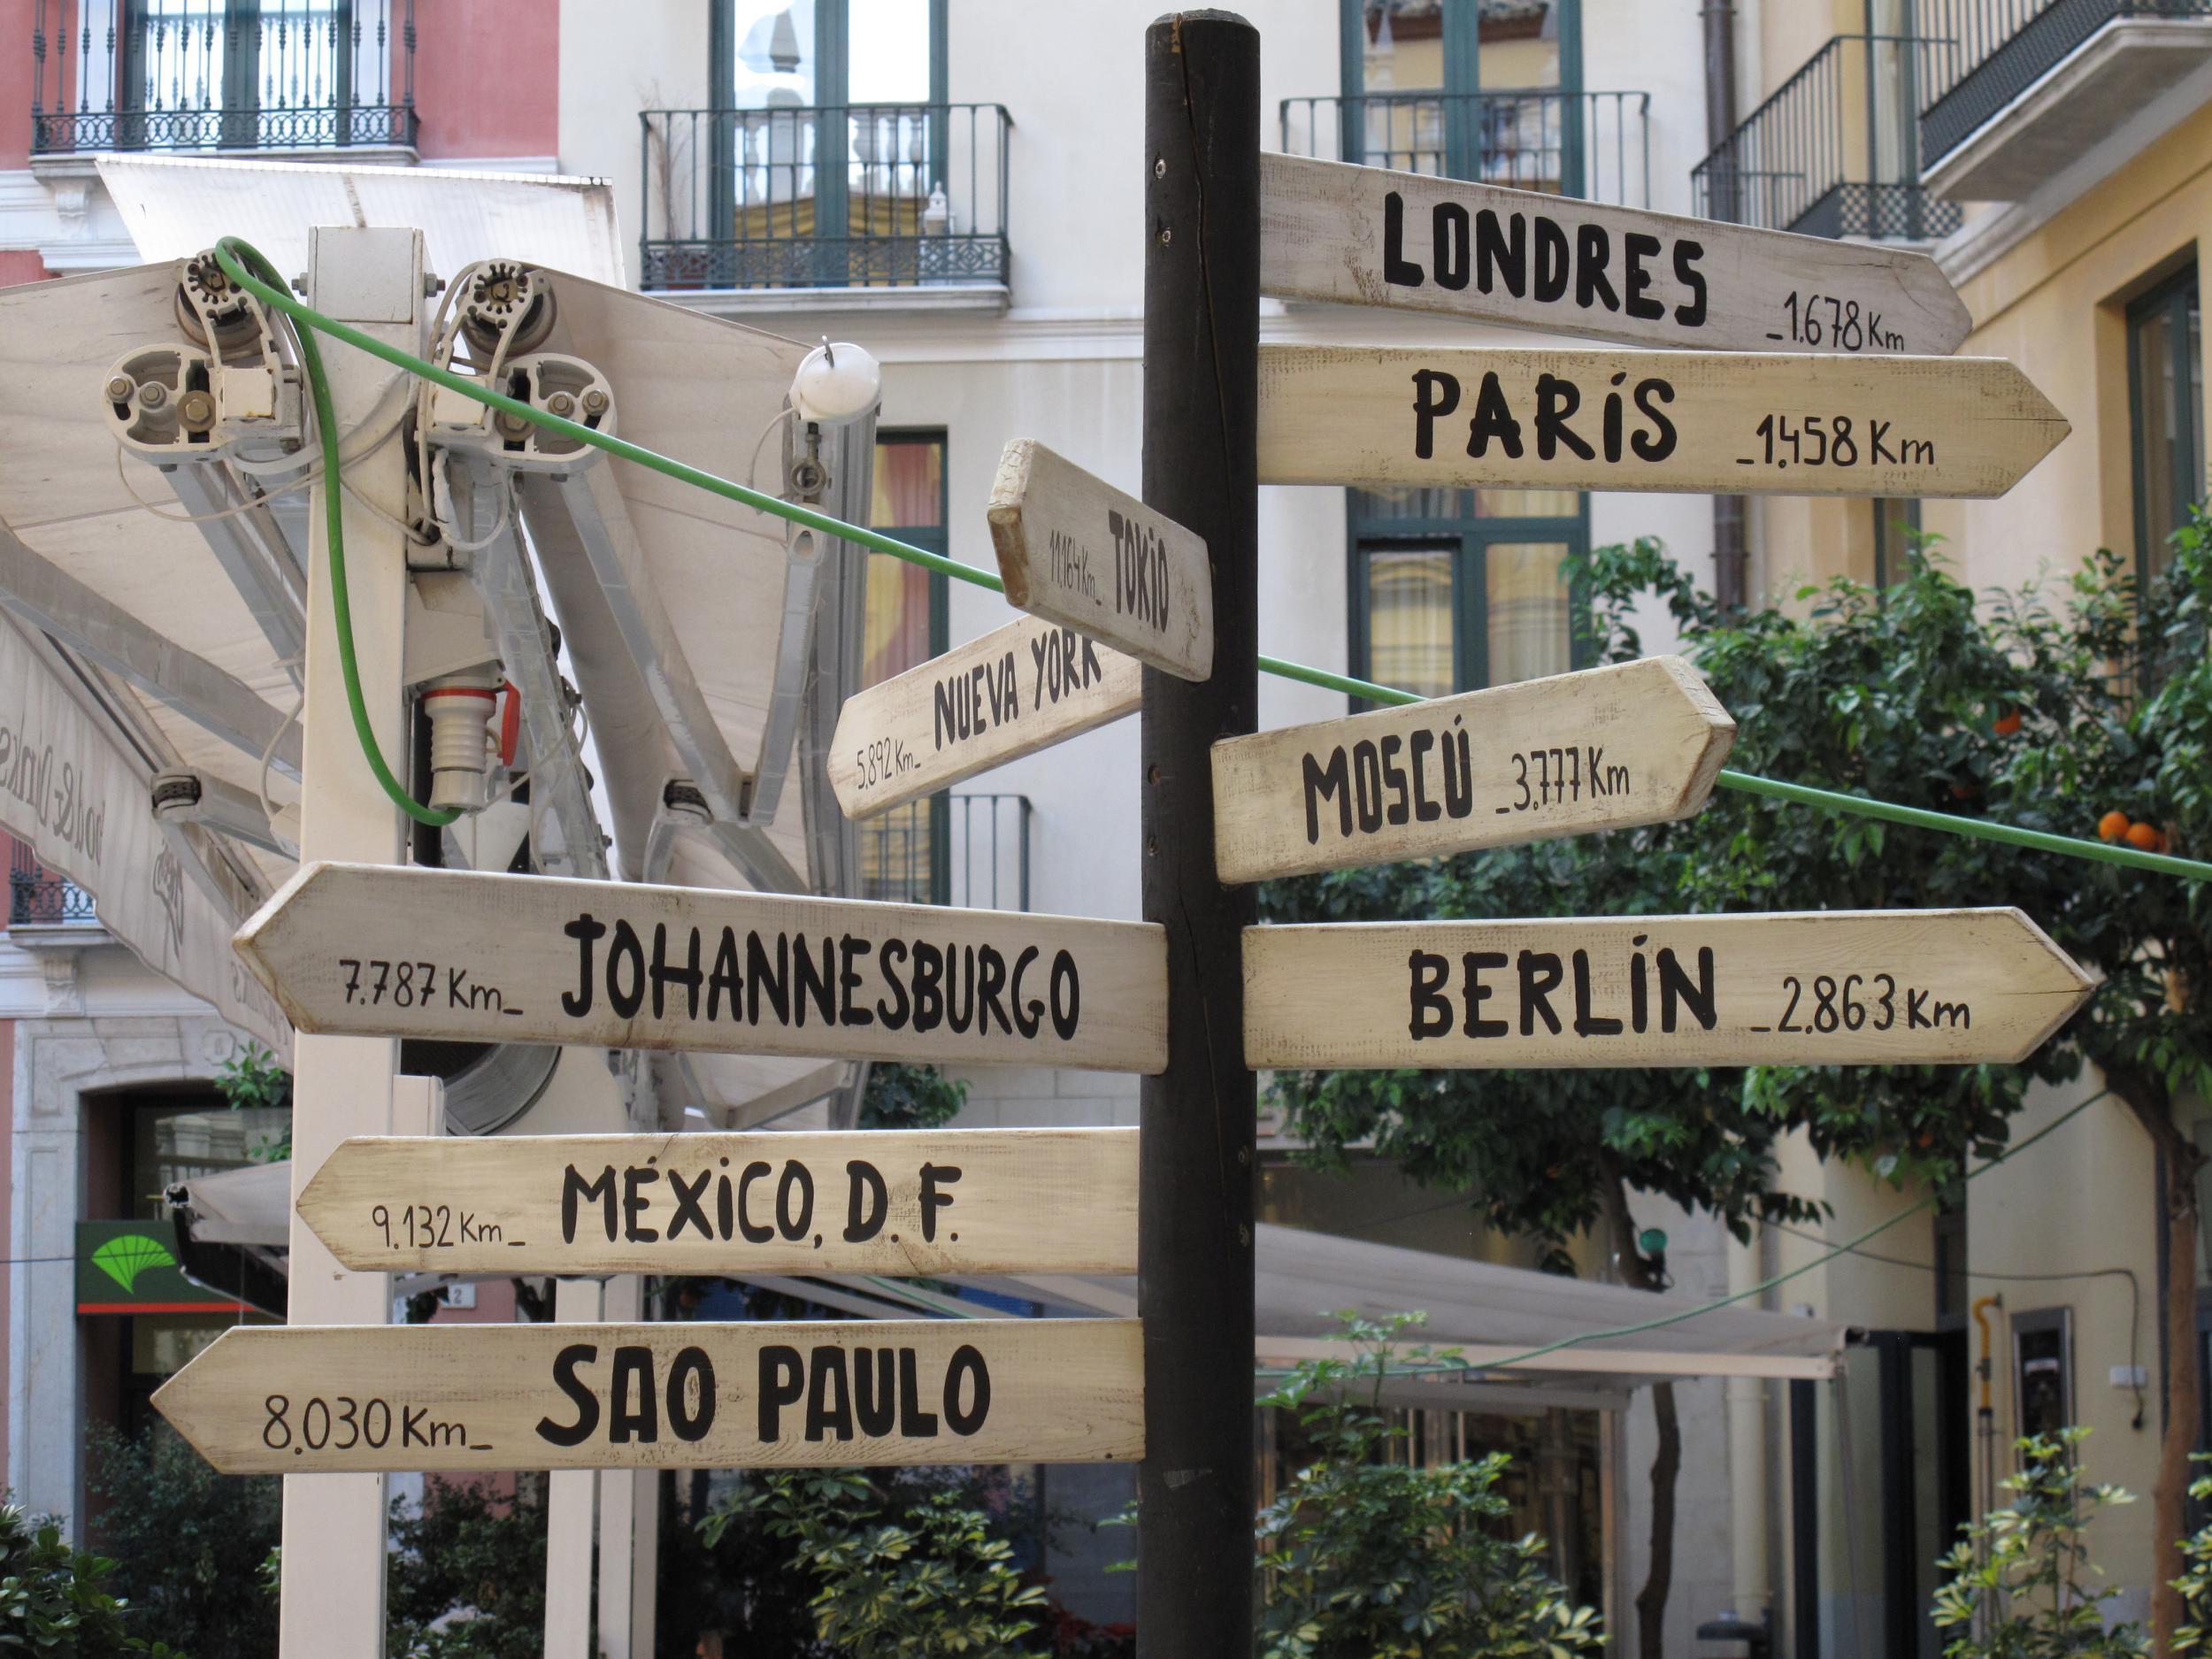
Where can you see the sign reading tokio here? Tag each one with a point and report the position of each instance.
(1405, 240)
(896, 1201)
(1013, 691)
(1678, 420)
(1073, 549)
(268, 1400)
(1635, 743)
(385, 950)
(1821, 987)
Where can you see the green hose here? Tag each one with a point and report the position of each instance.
(270, 291)
(237, 256)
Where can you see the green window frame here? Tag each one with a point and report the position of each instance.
(2165, 413)
(1464, 538)
(1896, 520)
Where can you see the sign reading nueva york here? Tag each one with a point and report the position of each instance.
(1073, 549)
(896, 1201)
(1365, 237)
(1678, 420)
(1013, 691)
(384, 950)
(1637, 743)
(268, 1400)
(1820, 987)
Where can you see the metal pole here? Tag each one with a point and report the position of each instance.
(1195, 1490)
(332, 1599)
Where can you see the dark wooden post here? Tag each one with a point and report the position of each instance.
(1201, 301)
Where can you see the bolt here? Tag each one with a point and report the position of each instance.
(197, 410)
(560, 404)
(153, 394)
(1159, 168)
(119, 388)
(510, 423)
(1244, 1156)
(595, 401)
(1167, 234)
(433, 285)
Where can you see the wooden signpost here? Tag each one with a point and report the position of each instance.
(1072, 549)
(1016, 689)
(1822, 988)
(1627, 421)
(1409, 242)
(389, 951)
(267, 1400)
(1635, 743)
(897, 1202)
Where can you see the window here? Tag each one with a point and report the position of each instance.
(2165, 398)
(1454, 589)
(905, 852)
(2043, 1366)
(1895, 524)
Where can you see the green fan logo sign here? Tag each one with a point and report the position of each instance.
(123, 1259)
(135, 1267)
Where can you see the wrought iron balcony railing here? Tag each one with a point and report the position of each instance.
(39, 898)
(964, 849)
(1595, 145)
(1833, 152)
(848, 195)
(221, 75)
(1984, 53)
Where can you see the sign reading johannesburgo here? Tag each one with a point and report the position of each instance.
(1635, 743)
(896, 1201)
(385, 950)
(1675, 421)
(311, 1400)
(1365, 237)
(1820, 987)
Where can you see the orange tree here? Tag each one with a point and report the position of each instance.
(1915, 695)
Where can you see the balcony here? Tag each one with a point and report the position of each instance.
(1833, 153)
(209, 76)
(1590, 144)
(905, 203)
(2014, 91)
(971, 850)
(39, 898)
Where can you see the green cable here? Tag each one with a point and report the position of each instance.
(236, 255)
(1761, 1288)
(273, 294)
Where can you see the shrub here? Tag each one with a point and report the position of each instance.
(187, 1542)
(53, 1599)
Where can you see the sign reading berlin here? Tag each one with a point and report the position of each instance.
(1819, 988)
(386, 950)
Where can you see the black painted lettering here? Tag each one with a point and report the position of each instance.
(1067, 996)
(815, 982)
(1424, 810)
(632, 1414)
(1540, 974)
(625, 945)
(1554, 264)
(1588, 1024)
(1686, 254)
(1637, 247)
(875, 1402)
(828, 1408)
(1677, 990)
(1556, 401)
(935, 1176)
(914, 1422)
(852, 1011)
(1502, 251)
(585, 931)
(689, 1211)
(1493, 421)
(894, 1017)
(691, 1394)
(1658, 443)
(796, 1177)
(580, 1394)
(774, 979)
(1027, 1014)
(929, 986)
(967, 1364)
(1394, 777)
(1435, 394)
(1593, 249)
(752, 1231)
(865, 1178)
(1426, 975)
(1398, 271)
(576, 1191)
(782, 1383)
(1327, 783)
(636, 1204)
(1448, 259)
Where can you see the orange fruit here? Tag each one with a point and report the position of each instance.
(2008, 724)
(2112, 826)
(2144, 837)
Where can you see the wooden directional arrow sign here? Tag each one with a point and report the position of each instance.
(385, 950)
(921, 1202)
(1637, 743)
(1018, 689)
(1369, 237)
(309, 1400)
(1822, 988)
(1676, 421)
(1073, 549)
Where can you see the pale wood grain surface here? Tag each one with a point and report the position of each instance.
(1074, 549)
(1007, 694)
(1675, 421)
(1616, 273)
(1634, 743)
(1876, 988)
(269, 1400)
(998, 1201)
(351, 948)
